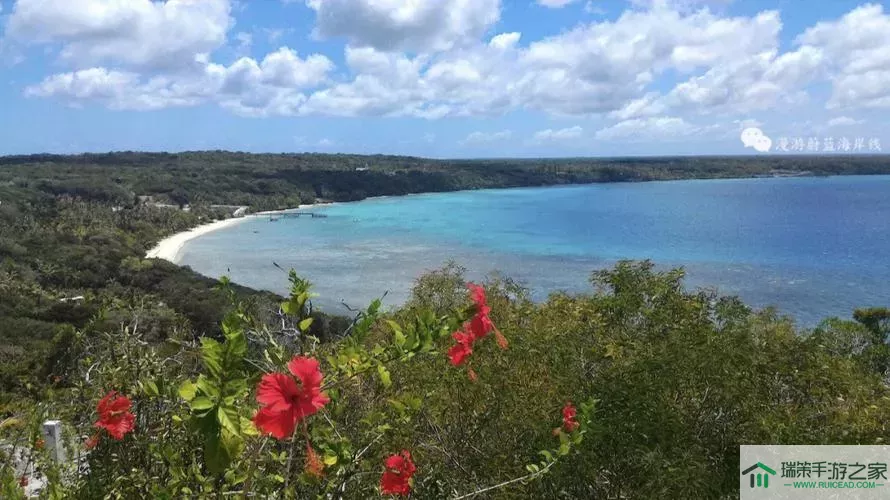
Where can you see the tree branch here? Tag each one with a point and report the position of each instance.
(526, 477)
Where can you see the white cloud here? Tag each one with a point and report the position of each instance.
(387, 84)
(601, 67)
(748, 123)
(505, 40)
(663, 128)
(554, 4)
(486, 137)
(284, 68)
(115, 89)
(755, 82)
(245, 41)
(843, 121)
(564, 134)
(592, 8)
(647, 105)
(857, 52)
(415, 26)
(269, 87)
(136, 33)
(680, 5)
(471, 82)
(434, 60)
(274, 35)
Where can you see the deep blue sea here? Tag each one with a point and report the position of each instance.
(811, 246)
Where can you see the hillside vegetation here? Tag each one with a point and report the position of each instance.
(268, 181)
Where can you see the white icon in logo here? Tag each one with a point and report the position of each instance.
(755, 138)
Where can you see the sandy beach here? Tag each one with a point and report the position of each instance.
(170, 247)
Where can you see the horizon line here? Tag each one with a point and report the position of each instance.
(480, 158)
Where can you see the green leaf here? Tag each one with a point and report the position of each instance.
(398, 335)
(216, 456)
(232, 323)
(248, 428)
(305, 324)
(151, 389)
(211, 353)
(236, 346)
(234, 478)
(187, 390)
(384, 376)
(330, 459)
(236, 387)
(227, 418)
(374, 307)
(207, 387)
(397, 405)
(232, 443)
(414, 402)
(289, 308)
(202, 403)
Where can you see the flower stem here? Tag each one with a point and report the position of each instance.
(507, 483)
(290, 459)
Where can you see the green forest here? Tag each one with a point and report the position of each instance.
(639, 388)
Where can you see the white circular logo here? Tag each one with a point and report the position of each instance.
(753, 137)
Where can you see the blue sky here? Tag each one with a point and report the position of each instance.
(450, 78)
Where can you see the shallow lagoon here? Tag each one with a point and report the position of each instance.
(811, 246)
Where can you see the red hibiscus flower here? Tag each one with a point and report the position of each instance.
(477, 293)
(478, 327)
(464, 347)
(397, 476)
(569, 422)
(286, 400)
(481, 324)
(314, 465)
(115, 416)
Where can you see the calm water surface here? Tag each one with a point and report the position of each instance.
(811, 246)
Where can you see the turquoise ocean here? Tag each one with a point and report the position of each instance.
(812, 246)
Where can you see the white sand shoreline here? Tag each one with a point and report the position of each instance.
(170, 247)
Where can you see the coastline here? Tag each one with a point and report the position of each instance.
(170, 247)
